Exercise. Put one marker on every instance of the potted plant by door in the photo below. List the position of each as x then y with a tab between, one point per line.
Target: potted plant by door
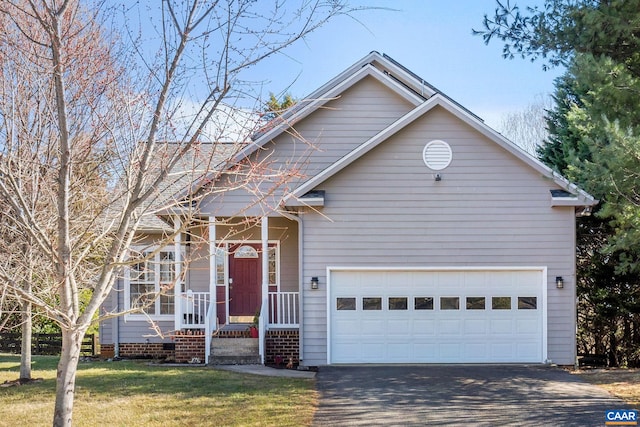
253	328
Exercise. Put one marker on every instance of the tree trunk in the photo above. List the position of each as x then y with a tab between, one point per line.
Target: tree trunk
66	377
25	352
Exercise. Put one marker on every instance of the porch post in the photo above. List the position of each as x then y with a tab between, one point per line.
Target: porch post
265	286
211	316
213	267
177	288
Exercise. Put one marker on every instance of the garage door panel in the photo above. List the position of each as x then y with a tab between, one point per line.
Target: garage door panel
424	327
479	350
502	351
409	326
475	326
501	326
527	326
449	327
449	351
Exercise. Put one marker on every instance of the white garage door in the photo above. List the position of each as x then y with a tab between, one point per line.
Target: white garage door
437	316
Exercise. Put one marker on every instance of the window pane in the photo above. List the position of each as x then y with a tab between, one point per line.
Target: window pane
272	266
397	303
423	303
346	304
449	303
372	303
501	303
138	272
246	251
166	303
527	303
475	303
220	255
167	267
141	294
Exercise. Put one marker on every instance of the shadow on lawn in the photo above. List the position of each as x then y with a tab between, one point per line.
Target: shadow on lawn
129	378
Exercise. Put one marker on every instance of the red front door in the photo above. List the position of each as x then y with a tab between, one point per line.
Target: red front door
245	274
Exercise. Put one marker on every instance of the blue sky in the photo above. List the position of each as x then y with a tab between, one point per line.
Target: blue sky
430	37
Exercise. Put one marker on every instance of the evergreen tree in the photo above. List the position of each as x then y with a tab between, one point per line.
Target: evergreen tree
594	141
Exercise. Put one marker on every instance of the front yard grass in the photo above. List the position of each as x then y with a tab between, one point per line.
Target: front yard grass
132	393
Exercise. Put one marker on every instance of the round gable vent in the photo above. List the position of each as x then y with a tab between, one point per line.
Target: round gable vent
437	155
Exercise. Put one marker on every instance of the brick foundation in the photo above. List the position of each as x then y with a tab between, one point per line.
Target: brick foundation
107	351
185	346
282	346
146	351
190	345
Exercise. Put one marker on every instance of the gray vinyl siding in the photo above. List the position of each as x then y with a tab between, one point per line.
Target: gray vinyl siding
130	331
330	133
490	209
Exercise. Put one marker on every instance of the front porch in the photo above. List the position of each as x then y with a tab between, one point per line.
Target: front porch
249	282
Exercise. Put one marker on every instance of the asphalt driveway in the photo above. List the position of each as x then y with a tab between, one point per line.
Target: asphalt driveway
449	395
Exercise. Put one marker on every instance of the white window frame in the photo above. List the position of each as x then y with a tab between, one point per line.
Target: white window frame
155	314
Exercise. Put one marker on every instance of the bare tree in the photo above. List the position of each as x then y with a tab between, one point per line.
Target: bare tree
528	127
107	101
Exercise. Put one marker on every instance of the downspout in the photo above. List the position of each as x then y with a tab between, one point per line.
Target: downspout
298	219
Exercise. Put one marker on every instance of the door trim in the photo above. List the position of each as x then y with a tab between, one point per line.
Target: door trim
225	244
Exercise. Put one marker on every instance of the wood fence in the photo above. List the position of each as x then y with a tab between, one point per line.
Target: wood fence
41	344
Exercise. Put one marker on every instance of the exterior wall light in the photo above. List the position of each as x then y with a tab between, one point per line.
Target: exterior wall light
559	282
314	282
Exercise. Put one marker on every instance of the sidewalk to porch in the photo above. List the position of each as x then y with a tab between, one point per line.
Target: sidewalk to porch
267	371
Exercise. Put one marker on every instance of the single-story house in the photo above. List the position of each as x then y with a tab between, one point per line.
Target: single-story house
409	232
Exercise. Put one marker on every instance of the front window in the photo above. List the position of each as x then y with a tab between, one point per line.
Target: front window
151	283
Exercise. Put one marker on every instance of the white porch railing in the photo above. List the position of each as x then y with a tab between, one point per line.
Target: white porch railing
284	309
194	309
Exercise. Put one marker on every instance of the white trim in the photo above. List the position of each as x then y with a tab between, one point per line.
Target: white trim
177	287
212	313
566	201
135	317
264	305
544	285
306	201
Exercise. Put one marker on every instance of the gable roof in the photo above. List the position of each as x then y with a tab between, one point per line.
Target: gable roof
580	197
424	97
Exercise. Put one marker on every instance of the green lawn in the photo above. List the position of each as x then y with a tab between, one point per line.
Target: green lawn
131	393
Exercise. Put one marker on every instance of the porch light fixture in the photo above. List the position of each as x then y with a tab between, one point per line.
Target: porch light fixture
314	282
559	282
